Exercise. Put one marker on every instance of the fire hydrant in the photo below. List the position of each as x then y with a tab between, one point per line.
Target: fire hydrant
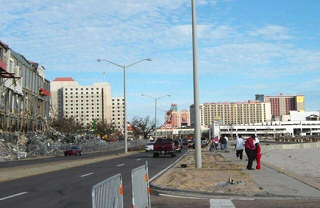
259	155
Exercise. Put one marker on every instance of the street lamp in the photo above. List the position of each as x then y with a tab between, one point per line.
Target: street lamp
155	112
125	96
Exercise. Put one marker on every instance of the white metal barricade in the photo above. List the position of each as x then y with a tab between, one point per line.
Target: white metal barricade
140	187
108	193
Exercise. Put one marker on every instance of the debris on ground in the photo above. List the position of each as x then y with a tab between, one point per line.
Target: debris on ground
18	145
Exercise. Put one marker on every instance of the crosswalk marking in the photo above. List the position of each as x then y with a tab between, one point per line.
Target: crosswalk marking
221	203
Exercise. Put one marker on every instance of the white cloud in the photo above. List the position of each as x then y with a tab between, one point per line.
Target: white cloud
68	37
272	32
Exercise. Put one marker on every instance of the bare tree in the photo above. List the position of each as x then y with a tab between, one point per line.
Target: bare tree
67	125
142	126
107	129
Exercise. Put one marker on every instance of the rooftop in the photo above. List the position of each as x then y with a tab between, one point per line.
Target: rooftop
62	79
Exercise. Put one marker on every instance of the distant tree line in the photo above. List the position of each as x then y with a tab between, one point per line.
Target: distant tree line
107	130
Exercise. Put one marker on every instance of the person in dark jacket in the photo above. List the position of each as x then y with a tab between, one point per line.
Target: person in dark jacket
250	148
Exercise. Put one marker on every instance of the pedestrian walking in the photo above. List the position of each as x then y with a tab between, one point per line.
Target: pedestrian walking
216	143
239	147
223	142
250	148
226	143
211	144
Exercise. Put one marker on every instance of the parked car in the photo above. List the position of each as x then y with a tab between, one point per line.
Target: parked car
181	143
73	150
178	145
185	141
190	143
204	142
149	146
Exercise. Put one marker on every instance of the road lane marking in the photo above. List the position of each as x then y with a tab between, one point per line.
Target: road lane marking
86	175
120	165
138	159
8	197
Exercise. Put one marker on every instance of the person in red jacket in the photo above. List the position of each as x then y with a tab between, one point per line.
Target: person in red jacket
258	156
250	148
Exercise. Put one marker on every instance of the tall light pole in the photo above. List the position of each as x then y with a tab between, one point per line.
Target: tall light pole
125	96
155	112
196	87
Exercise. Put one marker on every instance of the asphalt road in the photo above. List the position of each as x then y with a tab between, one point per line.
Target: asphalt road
72	187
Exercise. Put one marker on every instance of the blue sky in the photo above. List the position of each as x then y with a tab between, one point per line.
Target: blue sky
244	47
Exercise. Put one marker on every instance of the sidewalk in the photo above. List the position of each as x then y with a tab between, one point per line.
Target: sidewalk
282	173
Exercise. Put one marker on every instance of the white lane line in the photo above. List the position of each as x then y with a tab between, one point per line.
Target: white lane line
225	203
8	197
138	159
86	175
120	165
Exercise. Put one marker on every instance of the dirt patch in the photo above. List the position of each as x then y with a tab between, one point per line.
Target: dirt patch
217	175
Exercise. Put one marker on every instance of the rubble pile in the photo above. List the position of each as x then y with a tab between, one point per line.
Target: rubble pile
18	145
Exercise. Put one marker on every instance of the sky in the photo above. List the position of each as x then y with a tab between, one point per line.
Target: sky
244	47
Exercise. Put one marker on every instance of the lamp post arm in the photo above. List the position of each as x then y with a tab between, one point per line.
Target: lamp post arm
148	59
162	97
148	96
99	60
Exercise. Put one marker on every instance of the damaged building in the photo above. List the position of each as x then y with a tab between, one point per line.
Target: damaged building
24	93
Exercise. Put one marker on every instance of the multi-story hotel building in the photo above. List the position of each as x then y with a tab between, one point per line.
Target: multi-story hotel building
85	104
281	105
25	92
57	95
249	112
118	112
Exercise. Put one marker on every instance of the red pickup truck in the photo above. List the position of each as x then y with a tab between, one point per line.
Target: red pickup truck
164	147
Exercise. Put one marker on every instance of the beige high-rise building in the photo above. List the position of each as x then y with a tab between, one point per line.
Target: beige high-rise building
118	112
249	112
56	94
84	103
